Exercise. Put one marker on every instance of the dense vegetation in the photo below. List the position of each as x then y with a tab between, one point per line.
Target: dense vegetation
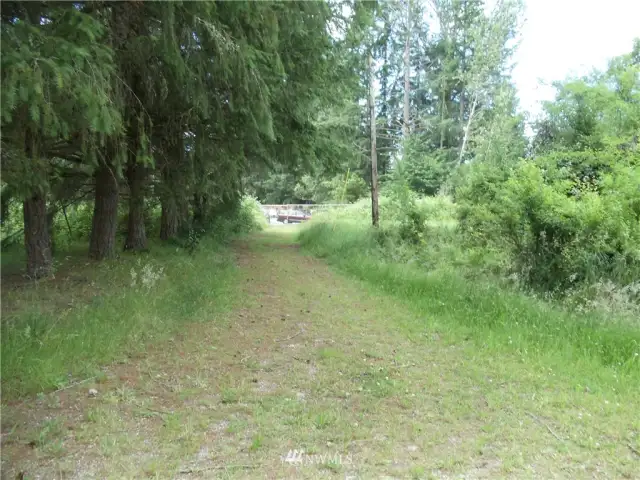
551	203
126	121
432	268
533	242
132	126
525	231
153	107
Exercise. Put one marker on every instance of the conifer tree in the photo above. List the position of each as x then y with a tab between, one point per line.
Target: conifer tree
56	104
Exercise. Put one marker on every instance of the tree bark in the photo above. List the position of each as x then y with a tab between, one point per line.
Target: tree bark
184	216
37	239
375	215
105	214
169	223
172	190
199	210
52	234
136	233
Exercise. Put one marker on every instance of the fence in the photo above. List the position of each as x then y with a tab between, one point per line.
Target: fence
306	208
276	212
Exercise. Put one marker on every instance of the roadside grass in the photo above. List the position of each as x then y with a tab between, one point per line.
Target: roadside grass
588	345
59	331
314	361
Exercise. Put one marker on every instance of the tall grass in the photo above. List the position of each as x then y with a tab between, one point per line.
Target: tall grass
478	307
63	330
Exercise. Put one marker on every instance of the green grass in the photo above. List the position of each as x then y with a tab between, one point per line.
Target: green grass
62	330
313	360
481	309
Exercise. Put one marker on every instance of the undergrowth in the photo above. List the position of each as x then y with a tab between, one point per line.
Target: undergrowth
62	330
443	294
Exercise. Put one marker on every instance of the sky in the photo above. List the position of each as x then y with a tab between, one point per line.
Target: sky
566	37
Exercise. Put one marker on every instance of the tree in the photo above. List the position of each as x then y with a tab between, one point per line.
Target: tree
56	103
592	112
375	215
327	136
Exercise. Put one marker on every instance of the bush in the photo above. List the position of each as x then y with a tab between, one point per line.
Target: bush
523	229
562	220
428	173
250	216
243	217
478	308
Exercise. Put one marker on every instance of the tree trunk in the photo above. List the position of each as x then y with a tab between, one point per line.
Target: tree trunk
442	112
105	215
172	190
37	240
169	222
375	216
136	232
407	76
199	210
467	128
52	234
184	217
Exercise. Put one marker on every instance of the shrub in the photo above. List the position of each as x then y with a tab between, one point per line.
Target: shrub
480	309
243	217
564	219
250	215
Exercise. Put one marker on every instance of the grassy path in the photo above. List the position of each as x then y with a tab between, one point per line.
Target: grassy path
311	360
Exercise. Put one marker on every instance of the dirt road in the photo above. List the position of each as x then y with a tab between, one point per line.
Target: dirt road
314	375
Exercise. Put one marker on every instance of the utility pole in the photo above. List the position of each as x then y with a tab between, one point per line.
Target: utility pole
407	67
375	215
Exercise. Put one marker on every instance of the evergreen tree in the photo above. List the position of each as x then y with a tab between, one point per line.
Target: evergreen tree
57	107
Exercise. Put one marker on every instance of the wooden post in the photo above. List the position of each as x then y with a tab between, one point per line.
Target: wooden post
407	71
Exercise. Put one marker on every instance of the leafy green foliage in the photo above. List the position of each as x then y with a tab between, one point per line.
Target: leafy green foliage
560	228
181	109
427	173
485	310
57	93
569	216
175	103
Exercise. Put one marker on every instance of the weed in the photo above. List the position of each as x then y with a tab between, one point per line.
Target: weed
256	443
376	382
49	435
94	415
147	277
229	395
323	420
